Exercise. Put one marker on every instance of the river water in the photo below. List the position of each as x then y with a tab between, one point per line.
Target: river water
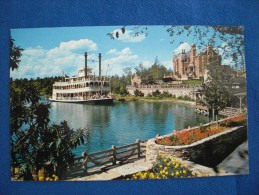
122	123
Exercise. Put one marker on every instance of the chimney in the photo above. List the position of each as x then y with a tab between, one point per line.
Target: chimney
100	68
85	64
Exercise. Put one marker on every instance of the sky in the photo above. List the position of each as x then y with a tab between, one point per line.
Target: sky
52	51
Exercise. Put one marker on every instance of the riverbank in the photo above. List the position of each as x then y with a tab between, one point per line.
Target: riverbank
131	98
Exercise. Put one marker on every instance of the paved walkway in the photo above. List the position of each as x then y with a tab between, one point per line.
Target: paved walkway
120	171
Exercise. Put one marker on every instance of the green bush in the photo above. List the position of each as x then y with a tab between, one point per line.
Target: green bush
138	93
165	94
156	93
204	128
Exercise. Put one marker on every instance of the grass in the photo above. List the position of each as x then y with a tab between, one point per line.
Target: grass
192	82
128	98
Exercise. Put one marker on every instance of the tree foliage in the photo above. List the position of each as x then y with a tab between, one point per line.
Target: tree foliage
216	89
15	55
232	36
152	74
43	85
138	30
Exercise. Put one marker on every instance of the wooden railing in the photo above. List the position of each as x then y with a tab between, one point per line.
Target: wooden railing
229	111
98	161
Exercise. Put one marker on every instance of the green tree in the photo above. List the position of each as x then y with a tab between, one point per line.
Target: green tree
15	55
153	73
128	74
119	85
216	90
158	71
141	71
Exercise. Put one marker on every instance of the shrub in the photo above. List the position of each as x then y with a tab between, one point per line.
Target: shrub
138	93
165	94
156	93
204	128
234	121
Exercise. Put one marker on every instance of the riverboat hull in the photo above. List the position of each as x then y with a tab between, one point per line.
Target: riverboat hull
103	101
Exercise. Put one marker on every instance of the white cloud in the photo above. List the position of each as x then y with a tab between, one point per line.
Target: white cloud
121	59
67	57
147	63
34	51
129	36
179	49
78	44
224	51
125	51
168	64
112	51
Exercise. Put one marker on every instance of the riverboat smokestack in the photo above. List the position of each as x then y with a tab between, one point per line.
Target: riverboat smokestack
100	66
85	64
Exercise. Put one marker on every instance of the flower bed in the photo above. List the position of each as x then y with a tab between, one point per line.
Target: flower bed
207	145
167	167
189	136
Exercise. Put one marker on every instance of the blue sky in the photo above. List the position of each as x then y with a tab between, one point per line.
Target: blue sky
49	51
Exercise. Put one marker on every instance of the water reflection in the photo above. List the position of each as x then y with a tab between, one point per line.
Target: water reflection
123	123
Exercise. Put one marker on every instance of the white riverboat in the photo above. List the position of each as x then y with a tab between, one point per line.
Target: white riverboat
83	88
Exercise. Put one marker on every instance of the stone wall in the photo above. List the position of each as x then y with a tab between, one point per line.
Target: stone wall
174	91
208	151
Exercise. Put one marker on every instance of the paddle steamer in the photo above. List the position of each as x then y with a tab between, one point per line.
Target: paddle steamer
83	88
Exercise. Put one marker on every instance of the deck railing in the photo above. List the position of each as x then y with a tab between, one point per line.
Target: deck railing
98	161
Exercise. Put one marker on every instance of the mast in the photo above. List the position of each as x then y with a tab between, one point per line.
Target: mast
100	68
85	65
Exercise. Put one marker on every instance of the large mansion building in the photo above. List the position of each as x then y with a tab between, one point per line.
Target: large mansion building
192	65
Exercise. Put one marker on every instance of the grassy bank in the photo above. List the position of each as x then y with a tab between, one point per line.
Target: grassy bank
130	98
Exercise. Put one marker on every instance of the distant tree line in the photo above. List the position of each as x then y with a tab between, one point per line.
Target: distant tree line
149	75
43	85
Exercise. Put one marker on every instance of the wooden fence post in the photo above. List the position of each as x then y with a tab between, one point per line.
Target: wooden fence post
85	159
113	155
138	145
